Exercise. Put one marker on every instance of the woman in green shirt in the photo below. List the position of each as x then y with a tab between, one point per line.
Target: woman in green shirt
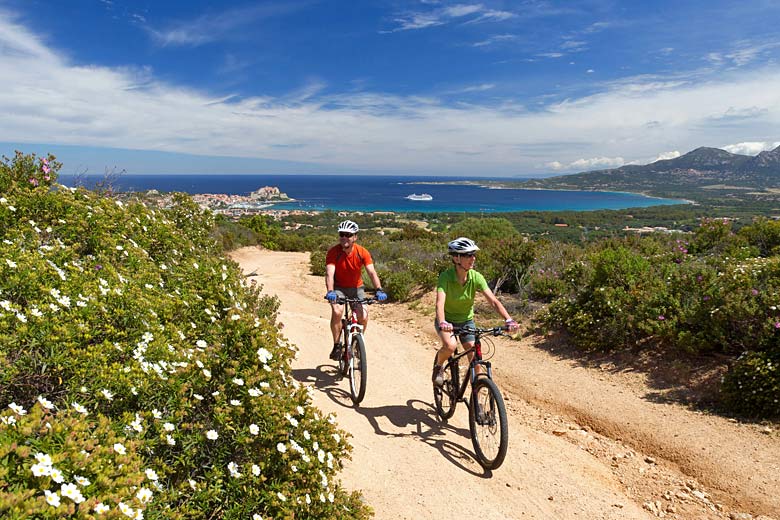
455	293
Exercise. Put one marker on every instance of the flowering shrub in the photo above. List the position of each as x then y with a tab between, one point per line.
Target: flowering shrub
752	386
142	378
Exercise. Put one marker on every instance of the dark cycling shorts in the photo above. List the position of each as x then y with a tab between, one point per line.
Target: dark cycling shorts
351	292
464	338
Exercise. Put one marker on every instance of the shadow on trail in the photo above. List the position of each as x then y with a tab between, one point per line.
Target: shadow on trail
327	379
417	418
423	426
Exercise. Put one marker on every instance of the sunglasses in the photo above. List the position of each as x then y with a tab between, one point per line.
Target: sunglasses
469	255
344	234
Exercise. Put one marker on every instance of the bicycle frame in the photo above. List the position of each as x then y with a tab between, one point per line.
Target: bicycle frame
475	360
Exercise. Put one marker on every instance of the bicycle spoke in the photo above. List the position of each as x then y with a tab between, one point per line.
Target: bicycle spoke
488	424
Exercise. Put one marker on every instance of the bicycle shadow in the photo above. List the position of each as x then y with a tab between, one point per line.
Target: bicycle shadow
425	427
419	416
327	379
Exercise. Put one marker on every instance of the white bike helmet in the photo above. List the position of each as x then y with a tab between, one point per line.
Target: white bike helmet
348	227
462	245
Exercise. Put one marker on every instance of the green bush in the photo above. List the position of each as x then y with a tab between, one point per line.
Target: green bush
124	325
752	386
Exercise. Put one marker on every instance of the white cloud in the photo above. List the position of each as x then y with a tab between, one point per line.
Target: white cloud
664	156
48	99
751	147
472	13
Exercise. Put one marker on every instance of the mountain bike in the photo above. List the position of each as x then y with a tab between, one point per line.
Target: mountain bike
487	413
352	362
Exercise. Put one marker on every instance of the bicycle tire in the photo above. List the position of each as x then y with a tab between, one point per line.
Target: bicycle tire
490	451
358	369
445	397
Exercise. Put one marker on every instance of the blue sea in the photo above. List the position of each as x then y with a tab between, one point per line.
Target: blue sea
382	192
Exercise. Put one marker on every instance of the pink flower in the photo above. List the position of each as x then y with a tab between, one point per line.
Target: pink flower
777	324
45	166
754	291
33	181
661	317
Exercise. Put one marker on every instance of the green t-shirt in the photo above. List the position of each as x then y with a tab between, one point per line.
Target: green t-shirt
459	303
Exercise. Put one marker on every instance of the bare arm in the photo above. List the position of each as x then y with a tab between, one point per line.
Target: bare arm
491	298
330	272
441	296
374	277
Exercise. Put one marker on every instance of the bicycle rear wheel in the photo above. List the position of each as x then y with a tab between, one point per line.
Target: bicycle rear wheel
445	397
357	369
488	423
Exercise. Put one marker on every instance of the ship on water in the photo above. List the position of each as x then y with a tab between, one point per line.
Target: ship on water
422	196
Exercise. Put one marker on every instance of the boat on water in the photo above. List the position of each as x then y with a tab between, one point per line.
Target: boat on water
422	196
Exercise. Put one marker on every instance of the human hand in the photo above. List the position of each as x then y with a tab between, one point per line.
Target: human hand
331	296
445	326
381	295
512	324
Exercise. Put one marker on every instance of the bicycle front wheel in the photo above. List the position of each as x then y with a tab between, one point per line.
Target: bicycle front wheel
357	369
445	397
488	424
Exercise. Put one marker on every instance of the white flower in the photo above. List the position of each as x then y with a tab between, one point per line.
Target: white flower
80	409
108	395
238	381
151	474
233	468
201	344
337	437
207	373
53	499
212	435
235	402
10	263
331	498
170	440
281	447
81	481
254	392
198	397
300	410
43	459
144	495
126	510
264	355
255	470
40	470
321	456
72	492
254	429
57	476
156	414
101	508
256	517
235	317
193	484
21	317
281	497
119	449
168	427
18	410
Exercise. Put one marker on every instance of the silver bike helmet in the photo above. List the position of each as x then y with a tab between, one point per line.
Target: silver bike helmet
348	227
462	245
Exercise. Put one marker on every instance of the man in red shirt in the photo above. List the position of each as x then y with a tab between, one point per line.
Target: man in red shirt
343	278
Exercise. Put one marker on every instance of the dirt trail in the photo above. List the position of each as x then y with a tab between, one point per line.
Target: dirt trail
584	443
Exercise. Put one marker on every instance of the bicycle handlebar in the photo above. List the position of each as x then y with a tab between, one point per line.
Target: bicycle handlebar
367	301
495	331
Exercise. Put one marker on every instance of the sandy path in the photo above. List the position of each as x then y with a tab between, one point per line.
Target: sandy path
582	445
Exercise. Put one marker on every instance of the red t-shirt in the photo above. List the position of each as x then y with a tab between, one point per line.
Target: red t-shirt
348	266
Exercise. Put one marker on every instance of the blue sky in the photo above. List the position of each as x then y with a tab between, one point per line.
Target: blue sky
490	88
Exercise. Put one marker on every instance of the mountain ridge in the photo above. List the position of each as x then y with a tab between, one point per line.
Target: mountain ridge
709	171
